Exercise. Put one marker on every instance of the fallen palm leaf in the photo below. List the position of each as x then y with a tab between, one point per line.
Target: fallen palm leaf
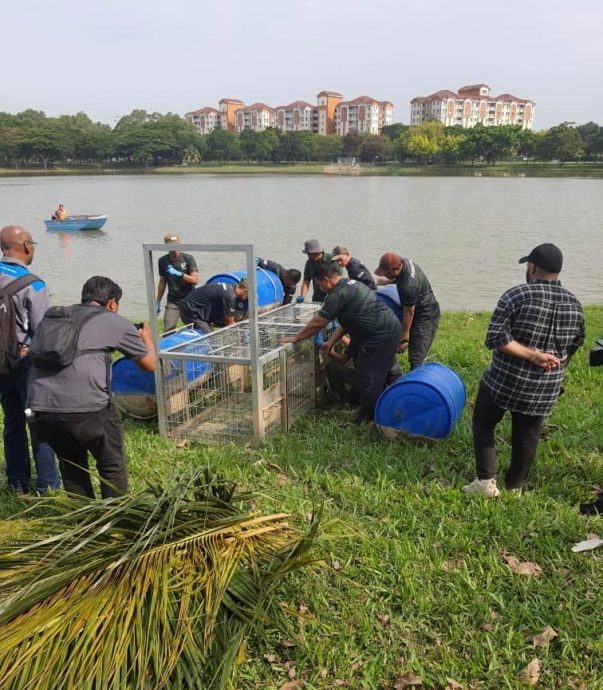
151	590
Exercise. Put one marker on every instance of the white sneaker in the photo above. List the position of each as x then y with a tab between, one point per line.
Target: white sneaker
486	487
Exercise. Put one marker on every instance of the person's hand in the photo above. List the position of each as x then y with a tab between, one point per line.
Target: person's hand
325	350
382	280
403	346
545	360
174	271
158	307
288	340
299	299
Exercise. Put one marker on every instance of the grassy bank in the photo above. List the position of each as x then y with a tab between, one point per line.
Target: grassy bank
513	169
416	582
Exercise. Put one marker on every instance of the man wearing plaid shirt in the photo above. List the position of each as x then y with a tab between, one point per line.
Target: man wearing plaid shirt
535	329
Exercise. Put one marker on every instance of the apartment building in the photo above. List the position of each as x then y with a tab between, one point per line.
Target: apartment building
363	114
331	115
257	116
297	116
471	105
204	120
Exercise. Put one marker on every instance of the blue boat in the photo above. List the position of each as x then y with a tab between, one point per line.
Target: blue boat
75	223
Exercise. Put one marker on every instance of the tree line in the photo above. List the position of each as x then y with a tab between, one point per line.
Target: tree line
141	139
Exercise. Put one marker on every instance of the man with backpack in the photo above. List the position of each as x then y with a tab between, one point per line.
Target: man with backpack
23	301
70	396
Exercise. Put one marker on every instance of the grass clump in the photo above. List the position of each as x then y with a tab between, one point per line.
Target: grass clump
418	582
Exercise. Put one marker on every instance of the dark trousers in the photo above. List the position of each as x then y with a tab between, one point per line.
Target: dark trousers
525	432
422	333
375	367
198	324
73	435
342	381
13	396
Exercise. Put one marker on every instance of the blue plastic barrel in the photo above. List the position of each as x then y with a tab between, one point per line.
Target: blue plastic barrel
270	290
427	403
389	295
134	389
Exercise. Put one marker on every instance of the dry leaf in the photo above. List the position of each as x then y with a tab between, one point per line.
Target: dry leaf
530	675
288	644
544	638
522	568
408	682
270	658
486	627
291	685
292	672
383	618
592	535
451	684
182	444
336	565
323	673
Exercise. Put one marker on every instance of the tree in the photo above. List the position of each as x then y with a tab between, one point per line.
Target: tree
223	145
248	144
328	148
562	143
46	143
11	140
592	136
393	131
424	142
352	142
452	148
528	143
372	149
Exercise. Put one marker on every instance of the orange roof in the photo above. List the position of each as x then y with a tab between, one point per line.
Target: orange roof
296	104
473	87
509	98
204	111
361	100
256	106
230	100
330	93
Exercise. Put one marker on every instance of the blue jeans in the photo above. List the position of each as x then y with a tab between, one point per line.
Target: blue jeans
13	396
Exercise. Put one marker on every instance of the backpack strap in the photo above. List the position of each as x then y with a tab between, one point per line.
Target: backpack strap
19	284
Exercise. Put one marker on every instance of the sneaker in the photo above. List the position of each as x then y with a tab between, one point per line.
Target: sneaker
486	487
595	508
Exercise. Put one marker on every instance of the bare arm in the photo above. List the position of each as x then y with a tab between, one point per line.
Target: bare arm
192	278
316	323
304	288
149	361
544	360
161	288
408	314
229	320
325	350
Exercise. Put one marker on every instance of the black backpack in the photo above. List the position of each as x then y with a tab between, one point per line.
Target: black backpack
9	345
55	343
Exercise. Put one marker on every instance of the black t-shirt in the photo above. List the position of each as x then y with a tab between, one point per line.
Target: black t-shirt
414	290
211	303
268	265
363	315
310	271
358	271
178	289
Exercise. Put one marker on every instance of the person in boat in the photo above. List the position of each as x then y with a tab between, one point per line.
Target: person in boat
178	272
289	277
60	213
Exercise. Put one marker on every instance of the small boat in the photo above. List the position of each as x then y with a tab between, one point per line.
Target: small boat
74	223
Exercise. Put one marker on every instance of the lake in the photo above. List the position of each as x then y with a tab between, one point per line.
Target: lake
467	233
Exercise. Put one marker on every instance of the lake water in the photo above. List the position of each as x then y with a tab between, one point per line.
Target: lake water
467	233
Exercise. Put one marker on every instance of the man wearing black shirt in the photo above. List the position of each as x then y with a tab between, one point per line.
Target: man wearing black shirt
214	303
178	271
356	270
420	308
289	277
373	327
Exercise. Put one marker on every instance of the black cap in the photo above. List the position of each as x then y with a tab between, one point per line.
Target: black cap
548	257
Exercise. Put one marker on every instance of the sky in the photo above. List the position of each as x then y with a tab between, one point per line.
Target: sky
107	57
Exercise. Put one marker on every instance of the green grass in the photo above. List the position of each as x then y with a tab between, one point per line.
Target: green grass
504	169
415	581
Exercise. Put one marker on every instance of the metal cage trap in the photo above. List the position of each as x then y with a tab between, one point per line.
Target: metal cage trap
237	383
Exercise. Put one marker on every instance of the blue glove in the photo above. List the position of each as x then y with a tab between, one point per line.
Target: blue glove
174	272
319	339
158	307
300	298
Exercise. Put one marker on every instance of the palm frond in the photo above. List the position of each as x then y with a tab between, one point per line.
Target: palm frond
151	590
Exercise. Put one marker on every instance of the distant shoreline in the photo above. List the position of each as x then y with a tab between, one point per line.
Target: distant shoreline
572	170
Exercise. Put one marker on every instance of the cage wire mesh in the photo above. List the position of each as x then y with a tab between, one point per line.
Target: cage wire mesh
207	386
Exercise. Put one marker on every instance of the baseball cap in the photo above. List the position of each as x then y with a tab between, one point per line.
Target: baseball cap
172	239
338	251
547	256
388	261
312	247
